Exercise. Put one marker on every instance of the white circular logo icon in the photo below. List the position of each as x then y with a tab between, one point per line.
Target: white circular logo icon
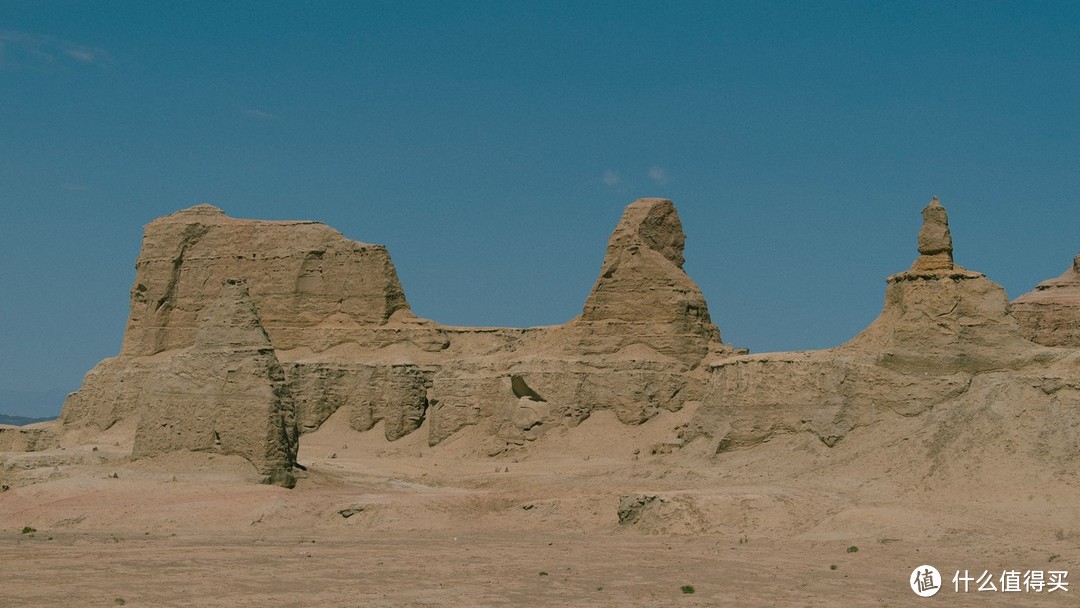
925	580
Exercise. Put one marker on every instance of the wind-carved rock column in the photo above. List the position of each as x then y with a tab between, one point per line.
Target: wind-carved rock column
642	334
935	240
938	315
643	295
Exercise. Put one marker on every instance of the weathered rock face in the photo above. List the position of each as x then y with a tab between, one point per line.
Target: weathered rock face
939	317
935	240
320	323
395	394
22	439
643	331
941	329
1050	315
562	392
303	275
227	393
643	296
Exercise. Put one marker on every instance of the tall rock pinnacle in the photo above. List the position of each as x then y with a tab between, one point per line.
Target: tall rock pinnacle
935	241
643	294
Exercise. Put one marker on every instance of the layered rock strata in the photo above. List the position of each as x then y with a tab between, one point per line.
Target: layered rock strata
635	349
244	334
226	393
311	284
313	323
1050	315
945	340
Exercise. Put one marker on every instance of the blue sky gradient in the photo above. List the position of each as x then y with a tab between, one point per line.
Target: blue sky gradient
492	147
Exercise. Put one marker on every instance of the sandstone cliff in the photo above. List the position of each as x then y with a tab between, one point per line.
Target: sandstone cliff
226	393
244	334
302	274
314	323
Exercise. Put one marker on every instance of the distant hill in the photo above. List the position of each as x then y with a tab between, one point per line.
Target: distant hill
21	420
30	406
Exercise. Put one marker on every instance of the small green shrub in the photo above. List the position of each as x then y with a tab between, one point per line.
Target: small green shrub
28	530
833	567
852	549
687	588
542	573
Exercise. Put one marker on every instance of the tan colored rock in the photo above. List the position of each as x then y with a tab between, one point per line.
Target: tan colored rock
321	325
26	439
942	331
226	394
1050	315
643	331
642	295
935	240
302	275
334	331
481	392
395	394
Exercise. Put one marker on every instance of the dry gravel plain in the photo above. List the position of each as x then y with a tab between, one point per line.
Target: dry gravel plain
575	519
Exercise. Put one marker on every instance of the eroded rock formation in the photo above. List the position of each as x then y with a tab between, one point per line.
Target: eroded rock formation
226	393
244	334
945	344
935	240
314	323
1050	315
311	284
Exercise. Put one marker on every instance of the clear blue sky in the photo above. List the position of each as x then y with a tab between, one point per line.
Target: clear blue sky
492	147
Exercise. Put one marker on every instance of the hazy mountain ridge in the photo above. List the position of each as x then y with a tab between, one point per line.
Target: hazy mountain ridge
21	420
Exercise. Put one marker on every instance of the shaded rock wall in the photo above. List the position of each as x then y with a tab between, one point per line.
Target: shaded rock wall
226	393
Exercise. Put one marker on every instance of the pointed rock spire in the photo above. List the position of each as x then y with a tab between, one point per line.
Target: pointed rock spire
643	295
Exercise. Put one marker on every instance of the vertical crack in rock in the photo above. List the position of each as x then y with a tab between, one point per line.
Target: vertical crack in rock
227	393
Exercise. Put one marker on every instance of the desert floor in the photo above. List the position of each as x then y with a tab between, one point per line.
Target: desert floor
787	523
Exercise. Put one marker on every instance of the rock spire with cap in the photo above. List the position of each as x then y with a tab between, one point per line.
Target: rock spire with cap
935	249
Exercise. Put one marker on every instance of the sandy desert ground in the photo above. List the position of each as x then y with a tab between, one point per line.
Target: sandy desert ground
539	525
